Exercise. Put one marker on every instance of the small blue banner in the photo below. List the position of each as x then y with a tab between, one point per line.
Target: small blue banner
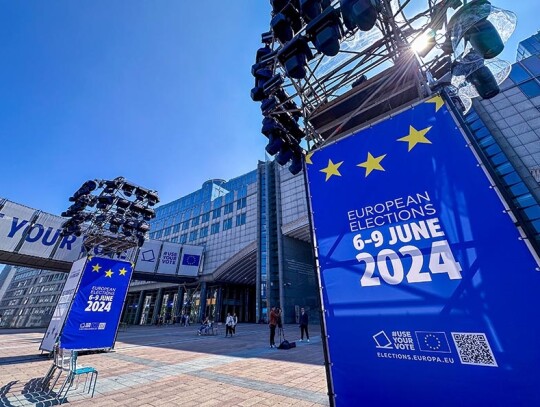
93	319
430	290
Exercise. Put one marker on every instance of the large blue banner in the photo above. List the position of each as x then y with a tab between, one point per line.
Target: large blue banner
93	319
431	293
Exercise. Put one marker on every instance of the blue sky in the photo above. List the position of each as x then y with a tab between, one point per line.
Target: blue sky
156	91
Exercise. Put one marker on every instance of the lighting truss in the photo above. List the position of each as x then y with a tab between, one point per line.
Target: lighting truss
112	215
370	68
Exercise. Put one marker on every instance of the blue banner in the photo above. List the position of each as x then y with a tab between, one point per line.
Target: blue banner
431	293
93	319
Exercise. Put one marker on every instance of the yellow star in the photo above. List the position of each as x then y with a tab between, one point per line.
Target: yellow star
372	163
438	100
416	136
96	268
123	271
308	158
332	169
109	273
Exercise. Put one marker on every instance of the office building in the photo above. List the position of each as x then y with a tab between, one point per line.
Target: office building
257	251
30	297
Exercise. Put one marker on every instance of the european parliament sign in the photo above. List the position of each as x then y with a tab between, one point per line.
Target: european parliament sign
430	290
91	306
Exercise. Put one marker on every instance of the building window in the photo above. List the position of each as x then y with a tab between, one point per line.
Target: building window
183	238
228	208
195	221
530	88
193	235
174	239
227	224
176	228
216	213
204	232
167	231
205	217
518	74
241	203
185	225
241	219
214	228
159	233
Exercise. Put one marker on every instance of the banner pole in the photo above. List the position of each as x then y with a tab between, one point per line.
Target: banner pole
327	362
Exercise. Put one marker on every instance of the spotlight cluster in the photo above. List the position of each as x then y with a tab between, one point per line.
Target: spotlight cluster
319	53
112	214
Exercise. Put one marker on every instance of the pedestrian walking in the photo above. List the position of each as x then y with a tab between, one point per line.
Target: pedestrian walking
272	324
229	322
235	322
304	319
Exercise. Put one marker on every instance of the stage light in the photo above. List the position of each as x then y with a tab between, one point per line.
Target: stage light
262	76
325	32
272	84
141	193
128	189
143	227
310	9
278	5
296	164
281	27
473	76
267	37
104	201
153	198
85	189
123	203
294	56
359	13
485	27
149	214
484	82
485	39
137	208
284	155
116	220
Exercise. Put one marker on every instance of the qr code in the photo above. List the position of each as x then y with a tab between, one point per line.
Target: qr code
474	349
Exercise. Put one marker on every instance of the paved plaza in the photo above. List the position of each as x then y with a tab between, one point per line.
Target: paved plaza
173	366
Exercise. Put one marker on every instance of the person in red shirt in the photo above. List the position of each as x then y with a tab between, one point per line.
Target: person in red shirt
273	323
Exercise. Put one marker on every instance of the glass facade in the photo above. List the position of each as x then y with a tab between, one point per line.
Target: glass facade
30	297
529	47
246	254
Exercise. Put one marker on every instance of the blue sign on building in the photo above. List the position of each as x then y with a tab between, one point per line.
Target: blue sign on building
430	290
93	319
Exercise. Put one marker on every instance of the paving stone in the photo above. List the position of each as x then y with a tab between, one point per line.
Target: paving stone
172	366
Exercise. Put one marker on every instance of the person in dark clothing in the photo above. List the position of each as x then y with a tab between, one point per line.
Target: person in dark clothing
272	324
304	318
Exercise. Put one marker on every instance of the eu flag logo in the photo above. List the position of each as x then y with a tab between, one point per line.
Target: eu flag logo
433	342
191	260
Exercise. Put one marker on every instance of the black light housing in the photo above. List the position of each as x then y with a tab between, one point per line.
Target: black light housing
294	56
310	9
325	32
284	155
296	164
359	13
485	39
484	82
152	198
281	27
